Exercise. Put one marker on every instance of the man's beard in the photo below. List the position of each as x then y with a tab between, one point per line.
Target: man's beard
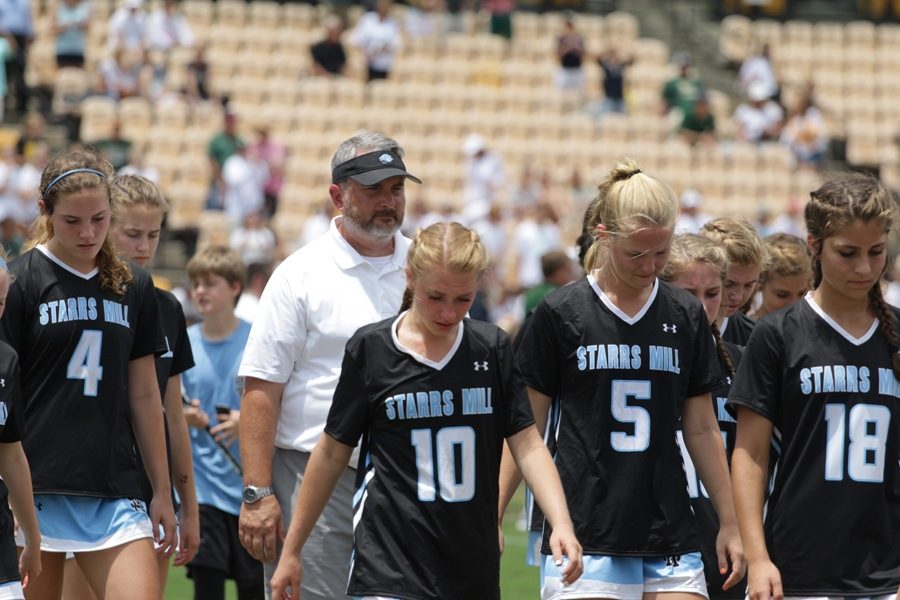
372	229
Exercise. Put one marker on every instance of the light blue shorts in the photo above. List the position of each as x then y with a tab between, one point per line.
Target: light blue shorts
626	577
12	591
84	524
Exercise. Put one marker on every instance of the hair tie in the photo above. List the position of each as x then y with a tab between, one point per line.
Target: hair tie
65	174
633	173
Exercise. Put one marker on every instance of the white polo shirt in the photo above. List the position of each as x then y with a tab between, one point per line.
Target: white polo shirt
315	300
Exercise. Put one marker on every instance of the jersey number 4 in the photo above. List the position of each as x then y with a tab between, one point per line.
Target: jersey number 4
456	485
85	361
867	431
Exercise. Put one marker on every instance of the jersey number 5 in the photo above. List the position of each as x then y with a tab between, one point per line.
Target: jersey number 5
85	361
868	431
638	416
455	485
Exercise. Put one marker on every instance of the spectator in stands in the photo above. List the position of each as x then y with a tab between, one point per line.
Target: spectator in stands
690	217
253	240
257	277
318	223
127	26
70	25
806	133
197	85
613	65
115	148
328	56
493	231
700	124
377	34
121	74
760	118
758	68
791	220
500	16
274	154
244	175
558	270
485	178
682	91
32	137
528	191
536	233
24	184
419	20
570	53
16	25
221	146
168	28
137	166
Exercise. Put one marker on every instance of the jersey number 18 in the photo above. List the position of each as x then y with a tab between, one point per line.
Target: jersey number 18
867	432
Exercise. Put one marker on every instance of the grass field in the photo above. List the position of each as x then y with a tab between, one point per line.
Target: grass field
517	581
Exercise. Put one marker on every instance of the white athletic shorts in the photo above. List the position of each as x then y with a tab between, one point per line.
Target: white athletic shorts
12	591
625	577
84	524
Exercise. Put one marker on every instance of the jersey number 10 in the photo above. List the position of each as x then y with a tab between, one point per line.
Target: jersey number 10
85	361
867	431
454	486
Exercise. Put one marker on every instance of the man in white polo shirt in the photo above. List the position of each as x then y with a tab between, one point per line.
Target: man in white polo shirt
316	299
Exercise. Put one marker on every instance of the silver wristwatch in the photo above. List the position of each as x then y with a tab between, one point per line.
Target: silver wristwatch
253	494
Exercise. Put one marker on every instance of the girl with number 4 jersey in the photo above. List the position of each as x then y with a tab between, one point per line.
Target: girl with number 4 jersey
822	375
84	323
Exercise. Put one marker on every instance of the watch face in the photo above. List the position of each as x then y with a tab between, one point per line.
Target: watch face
249	495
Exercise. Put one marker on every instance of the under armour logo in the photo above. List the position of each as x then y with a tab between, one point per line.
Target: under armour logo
669	328
481	366
137	505
386	158
728	380
39	505
2	383
673	561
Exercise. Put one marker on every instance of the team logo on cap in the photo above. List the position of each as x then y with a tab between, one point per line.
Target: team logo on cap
386	158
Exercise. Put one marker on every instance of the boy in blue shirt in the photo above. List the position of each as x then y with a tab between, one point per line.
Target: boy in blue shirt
217	279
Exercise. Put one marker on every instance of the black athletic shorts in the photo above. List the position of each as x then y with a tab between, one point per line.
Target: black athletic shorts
220	548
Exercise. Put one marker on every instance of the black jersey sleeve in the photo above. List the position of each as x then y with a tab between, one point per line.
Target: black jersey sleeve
148	337
11	394
705	373
536	351
757	383
518	408
183	357
11	328
349	412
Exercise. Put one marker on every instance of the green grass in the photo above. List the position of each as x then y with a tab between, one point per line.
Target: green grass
517	580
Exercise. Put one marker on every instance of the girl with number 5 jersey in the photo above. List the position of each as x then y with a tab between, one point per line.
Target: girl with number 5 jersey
84	325
617	360
822	375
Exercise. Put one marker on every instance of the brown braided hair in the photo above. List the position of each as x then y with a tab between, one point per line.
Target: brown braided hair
688	251
115	274
451	245
836	205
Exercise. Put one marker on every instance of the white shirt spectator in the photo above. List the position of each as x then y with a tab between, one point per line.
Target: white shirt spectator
758	68
254	244
247	307
167	30
755	121
485	176
314	302
244	180
127	26
378	39
532	240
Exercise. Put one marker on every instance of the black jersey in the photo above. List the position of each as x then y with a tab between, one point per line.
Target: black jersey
738	329
833	515
426	510
10	432
75	341
178	357
619	384
704	511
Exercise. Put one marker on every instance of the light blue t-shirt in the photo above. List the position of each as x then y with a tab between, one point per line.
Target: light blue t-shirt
213	381
72	41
